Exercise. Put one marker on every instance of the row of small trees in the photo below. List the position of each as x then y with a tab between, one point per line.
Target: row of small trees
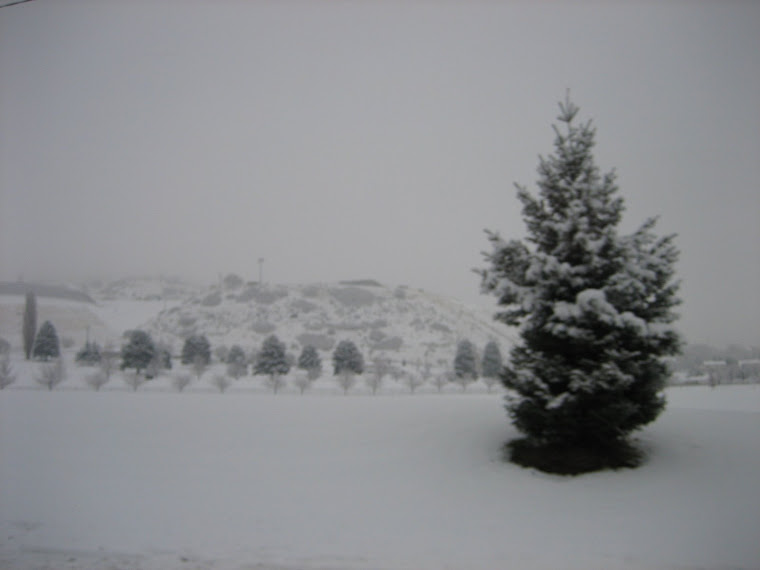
147	359
142	359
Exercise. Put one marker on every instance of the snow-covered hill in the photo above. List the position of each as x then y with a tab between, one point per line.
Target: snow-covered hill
400	323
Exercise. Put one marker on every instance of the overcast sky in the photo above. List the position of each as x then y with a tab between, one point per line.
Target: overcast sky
345	140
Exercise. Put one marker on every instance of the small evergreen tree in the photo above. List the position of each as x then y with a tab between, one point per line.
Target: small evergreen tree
196	346
138	352
272	361
237	363
7	375
89	355
594	311
310	361
347	362
492	364
465	364
29	327
346	356
46	345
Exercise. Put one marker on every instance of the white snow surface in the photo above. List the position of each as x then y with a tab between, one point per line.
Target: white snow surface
161	480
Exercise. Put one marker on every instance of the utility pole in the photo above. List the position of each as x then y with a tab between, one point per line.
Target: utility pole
261	270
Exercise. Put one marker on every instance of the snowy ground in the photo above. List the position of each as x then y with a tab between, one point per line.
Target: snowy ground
160	480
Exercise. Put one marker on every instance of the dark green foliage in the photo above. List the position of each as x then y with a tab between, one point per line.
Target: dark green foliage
89	355
29	327
492	362
237	363
7	375
465	361
564	459
196	346
310	361
46	345
347	358
594	307
272	360
165	357
138	352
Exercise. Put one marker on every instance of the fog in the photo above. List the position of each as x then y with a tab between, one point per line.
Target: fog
347	140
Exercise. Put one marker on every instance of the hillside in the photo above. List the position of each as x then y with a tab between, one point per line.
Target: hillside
400	323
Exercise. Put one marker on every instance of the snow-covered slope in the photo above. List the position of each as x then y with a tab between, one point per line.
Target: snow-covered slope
400	323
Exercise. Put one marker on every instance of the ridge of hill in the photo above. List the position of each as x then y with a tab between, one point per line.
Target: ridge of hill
21	288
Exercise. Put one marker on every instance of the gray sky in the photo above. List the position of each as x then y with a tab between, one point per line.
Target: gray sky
344	140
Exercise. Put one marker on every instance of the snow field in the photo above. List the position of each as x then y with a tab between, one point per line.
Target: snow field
161	481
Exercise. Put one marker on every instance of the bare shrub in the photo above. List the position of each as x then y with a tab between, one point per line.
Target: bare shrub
303	381
134	380
181	381
275	382
221	382
199	366
441	380
380	368
97	380
7	377
412	381
51	374
346	380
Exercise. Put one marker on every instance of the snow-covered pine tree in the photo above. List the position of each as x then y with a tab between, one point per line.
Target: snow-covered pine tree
491	364
346	357
310	361
237	363
594	310
89	355
46	345
272	361
195	347
465	363
347	362
138	352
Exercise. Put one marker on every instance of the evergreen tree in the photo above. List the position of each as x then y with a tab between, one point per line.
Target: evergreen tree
465	361
237	363
272	361
594	311
89	355
29	327
346	357
46	345
196	346
492	362
310	361
7	375
138	352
